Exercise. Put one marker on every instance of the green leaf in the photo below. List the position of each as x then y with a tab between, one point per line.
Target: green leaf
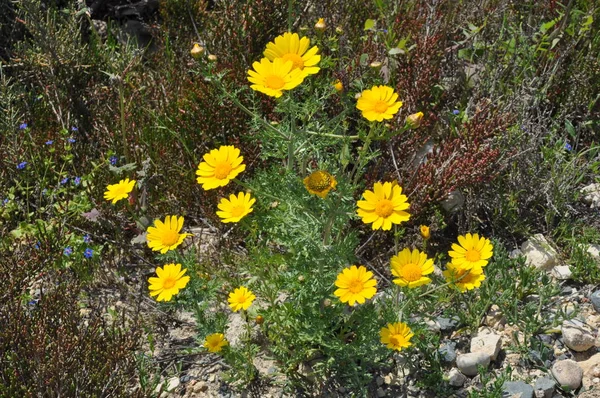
396	50
570	129
370	24
548	25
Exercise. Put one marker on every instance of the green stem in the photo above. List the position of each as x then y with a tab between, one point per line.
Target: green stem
347	137
329	224
359	162
251	188
290	14
123	130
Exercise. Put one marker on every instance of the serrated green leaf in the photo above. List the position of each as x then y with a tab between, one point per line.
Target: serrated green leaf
370	24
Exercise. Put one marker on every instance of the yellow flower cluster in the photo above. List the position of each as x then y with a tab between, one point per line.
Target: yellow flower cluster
469	257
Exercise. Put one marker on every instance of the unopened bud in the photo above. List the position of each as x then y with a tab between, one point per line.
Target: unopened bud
326	303
212	58
339	30
425	233
301	278
259	320
197	51
414	120
338	86
320	25
375	64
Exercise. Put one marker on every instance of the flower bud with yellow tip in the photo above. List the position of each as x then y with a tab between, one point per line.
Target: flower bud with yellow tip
414	121
212	58
338	86
425	233
197	51
320	26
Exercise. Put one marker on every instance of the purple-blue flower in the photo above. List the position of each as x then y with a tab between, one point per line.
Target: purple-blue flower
74	128
21	165
68	251
87	238
49	142
5	201
23	126
455	112
568	147
77	180
37	245
64	180
71	140
88	253
113	160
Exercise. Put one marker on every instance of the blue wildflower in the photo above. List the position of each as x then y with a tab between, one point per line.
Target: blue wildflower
23	126
21	165
68	251
37	245
71	140
88	253
64	180
77	180
49	142
568	147
455	112
87	238
5	201
33	302
113	160
74	128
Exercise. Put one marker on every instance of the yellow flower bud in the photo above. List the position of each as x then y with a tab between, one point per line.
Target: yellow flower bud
259	320
339	30
414	120
197	51
320	25
212	58
338	86
425	233
375	64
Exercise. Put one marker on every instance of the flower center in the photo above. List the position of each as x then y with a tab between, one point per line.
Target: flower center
222	170
356	286
296	60
274	82
472	255
169	283
411	272
380	106
319	181
170	237
238	211
394	340
384	208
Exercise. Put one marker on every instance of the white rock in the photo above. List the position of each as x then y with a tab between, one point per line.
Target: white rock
455	378
495	317
453	202
594	250
577	336
467	363
539	253
486	341
173	383
561	272
591	195
567	373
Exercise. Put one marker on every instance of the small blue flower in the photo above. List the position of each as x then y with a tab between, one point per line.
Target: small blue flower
113	160
37	245
33	302
5	201
23	126
88	253
21	165
74	128
568	147
44	191
49	142
71	140
77	180
455	112
64	181
87	238
68	251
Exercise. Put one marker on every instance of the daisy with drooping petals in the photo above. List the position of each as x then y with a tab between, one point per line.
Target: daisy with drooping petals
215	342
121	190
383	206
320	183
290	47
378	103
355	284
219	167
272	78
168	283
410	268
463	278
165	236
240	299
236	208
396	336
471	251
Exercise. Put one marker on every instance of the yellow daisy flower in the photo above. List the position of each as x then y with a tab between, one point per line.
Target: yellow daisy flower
320	183
240	299
464	278
383	206
121	190
396	336
165	236
411	268
168	283
290	47
215	342
378	103
355	285
272	78
219	167
471	251
236	208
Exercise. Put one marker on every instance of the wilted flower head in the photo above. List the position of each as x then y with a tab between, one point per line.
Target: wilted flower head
414	120
320	183
320	26
197	50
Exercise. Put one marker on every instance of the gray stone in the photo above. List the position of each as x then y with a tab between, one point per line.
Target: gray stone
517	389
546	386
468	363
488	342
447	324
591	195
577	336
594	251
447	352
561	272
453	202
456	378
595	299
381	392
567	373
173	383
539	253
